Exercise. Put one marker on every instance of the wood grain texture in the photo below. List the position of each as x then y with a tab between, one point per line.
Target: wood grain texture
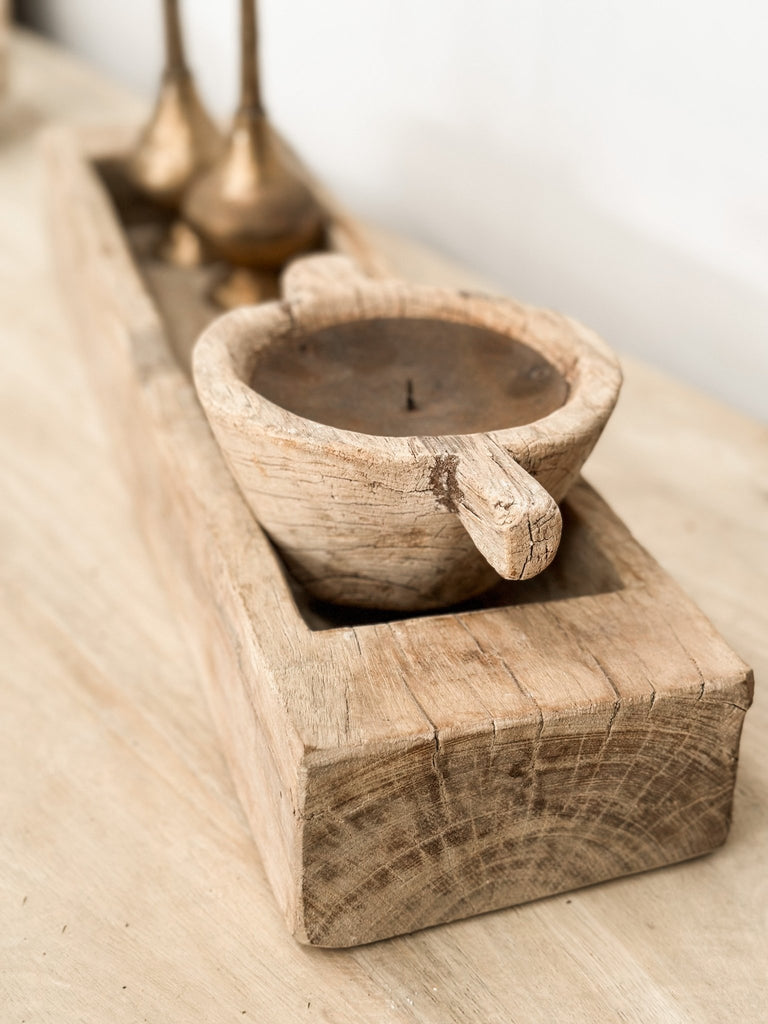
118	808
377	812
388	520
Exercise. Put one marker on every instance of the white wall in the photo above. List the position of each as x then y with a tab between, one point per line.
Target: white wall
608	159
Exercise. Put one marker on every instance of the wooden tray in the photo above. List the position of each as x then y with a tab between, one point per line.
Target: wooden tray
399	772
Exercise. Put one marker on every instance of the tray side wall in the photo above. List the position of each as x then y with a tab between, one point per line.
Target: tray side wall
491	820
164	449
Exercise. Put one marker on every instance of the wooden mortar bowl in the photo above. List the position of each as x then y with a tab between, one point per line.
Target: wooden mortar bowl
375	496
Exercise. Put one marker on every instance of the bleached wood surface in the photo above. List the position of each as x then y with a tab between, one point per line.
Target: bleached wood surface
131	888
410	773
409	522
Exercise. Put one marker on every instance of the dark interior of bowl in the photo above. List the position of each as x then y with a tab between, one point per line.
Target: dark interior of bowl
402	376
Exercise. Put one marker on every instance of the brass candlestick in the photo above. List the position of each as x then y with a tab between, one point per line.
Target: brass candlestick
251	206
180	138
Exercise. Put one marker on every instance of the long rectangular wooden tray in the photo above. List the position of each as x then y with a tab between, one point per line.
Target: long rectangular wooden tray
398	772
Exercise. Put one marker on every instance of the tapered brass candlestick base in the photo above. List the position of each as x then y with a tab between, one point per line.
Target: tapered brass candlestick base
179	139
177	142
251	206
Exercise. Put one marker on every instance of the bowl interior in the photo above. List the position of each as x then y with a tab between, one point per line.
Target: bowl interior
402	376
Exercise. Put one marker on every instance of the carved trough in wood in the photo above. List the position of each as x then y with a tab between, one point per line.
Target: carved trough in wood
400	771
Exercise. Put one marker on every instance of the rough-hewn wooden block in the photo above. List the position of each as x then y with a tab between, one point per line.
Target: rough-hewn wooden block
400	773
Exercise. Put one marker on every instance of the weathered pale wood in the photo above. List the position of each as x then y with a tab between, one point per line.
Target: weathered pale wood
401	774
118	808
379	515
148	393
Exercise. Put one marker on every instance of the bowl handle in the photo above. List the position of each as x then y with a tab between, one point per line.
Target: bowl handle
514	522
313	276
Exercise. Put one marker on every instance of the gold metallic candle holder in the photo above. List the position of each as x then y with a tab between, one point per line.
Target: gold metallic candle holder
177	142
179	138
251	206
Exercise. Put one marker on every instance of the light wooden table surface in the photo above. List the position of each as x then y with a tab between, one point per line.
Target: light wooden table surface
129	885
